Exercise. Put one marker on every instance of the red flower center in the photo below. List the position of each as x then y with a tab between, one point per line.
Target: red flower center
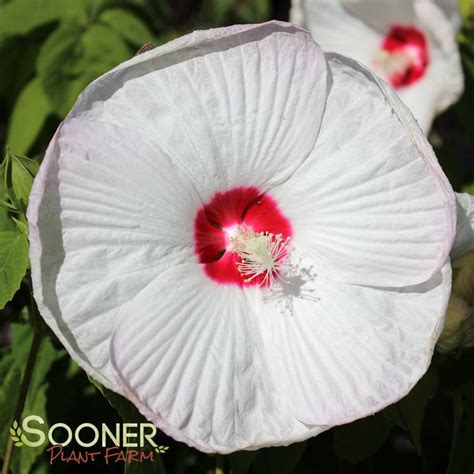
217	222
404	56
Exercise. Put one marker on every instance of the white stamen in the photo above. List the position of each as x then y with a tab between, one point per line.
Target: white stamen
262	253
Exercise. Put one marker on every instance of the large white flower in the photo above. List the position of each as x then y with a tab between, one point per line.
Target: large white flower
245	237
410	43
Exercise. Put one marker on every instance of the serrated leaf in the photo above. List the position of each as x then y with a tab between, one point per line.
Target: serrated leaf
13	264
73	56
127	25
29	114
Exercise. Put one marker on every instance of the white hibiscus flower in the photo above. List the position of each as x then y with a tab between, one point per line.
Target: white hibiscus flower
245	237
410	43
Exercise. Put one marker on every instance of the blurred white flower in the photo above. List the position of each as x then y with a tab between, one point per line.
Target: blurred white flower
245	237
409	43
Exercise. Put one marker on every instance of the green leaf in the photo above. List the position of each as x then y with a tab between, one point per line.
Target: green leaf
18	173
19	72
13	264
36	401
19	17
361	439
127	25
412	407
127	411
6	222
12	365
282	460
461	458
241	461
29	114
468	188
73	56
467	8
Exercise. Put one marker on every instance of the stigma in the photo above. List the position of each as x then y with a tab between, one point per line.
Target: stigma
262	254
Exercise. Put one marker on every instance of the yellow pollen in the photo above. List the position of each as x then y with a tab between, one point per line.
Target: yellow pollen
261	253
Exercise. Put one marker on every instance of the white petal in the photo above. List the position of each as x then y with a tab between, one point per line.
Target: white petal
464	241
345	351
190	357
371	204
234	106
104	221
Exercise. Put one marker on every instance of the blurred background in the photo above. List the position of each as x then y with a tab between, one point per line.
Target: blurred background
49	51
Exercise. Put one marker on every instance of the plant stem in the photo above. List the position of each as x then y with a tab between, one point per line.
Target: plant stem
219	464
25	383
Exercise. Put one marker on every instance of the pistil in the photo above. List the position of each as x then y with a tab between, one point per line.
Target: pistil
262	254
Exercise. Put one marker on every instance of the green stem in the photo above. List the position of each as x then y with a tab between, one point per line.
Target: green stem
25	383
219	464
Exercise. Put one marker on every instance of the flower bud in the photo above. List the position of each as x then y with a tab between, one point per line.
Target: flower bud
463	277
458	331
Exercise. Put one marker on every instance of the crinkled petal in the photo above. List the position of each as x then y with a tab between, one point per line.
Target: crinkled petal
190	357
344	352
235	106
104	221
371	205
464	241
